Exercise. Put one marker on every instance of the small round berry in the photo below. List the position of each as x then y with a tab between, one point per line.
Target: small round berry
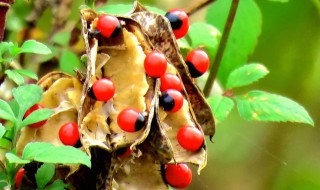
190	138
170	81
130	120
109	26
171	100
179	21
155	64
198	62
69	134
18	178
102	90
178	175
32	109
123	152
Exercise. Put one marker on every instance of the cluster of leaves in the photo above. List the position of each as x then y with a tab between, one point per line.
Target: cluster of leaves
24	97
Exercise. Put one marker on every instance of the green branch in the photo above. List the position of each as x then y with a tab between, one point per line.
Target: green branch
224	39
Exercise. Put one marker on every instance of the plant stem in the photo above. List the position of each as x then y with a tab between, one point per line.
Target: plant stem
216	64
4	7
194	6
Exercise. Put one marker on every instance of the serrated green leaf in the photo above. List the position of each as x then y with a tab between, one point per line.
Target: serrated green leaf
12	158
57	185
46	152
246	75
6	111
32	46
36	116
62	38
221	106
44	174
205	36
27	96
263	106
243	36
26	73
69	61
63	155
2	130
15	77
34	148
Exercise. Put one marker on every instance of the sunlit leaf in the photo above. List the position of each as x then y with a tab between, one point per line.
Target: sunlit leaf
27	73
243	36
15	77
246	75
121	9
263	106
12	158
69	61
2	130
36	116
32	46
221	106
6	111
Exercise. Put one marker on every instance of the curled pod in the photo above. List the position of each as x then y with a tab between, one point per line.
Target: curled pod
164	41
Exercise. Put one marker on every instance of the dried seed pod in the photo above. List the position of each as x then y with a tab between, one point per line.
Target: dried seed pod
159	31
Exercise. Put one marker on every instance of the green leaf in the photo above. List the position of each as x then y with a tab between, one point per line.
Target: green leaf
122	9
32	46
2	130
34	148
280	1
12	158
62	38
205	36
63	155
243	36
36	116
4	47
246	74
221	106
46	152
26	73
44	174
57	185
263	106
27	96
16	77
69	61
14	107
6	111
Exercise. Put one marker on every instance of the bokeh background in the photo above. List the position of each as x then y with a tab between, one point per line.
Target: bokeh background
251	155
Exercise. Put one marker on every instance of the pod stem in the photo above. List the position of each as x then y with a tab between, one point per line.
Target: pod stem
224	39
194	6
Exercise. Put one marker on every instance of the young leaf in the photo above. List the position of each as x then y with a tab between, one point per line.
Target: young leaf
44	174
32	46
246	74
27	96
57	185
2	130
62	38
243	35
69	61
221	106
12	158
36	116
263	106
16	77
14	107
6	111
63	155
46	152
206	36
34	148
26	73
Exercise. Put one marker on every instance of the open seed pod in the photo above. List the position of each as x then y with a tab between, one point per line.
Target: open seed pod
160	33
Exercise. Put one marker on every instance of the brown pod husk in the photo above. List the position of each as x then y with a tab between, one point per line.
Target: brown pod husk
159	31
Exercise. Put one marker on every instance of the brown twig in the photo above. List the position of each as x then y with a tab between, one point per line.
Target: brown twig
194	6
216	64
4	7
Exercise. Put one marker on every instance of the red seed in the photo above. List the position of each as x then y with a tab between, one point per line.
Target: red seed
103	89
69	134
178	176
170	81
109	26
179	21
155	64
190	138
18	178
32	109
130	120
171	100
198	62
